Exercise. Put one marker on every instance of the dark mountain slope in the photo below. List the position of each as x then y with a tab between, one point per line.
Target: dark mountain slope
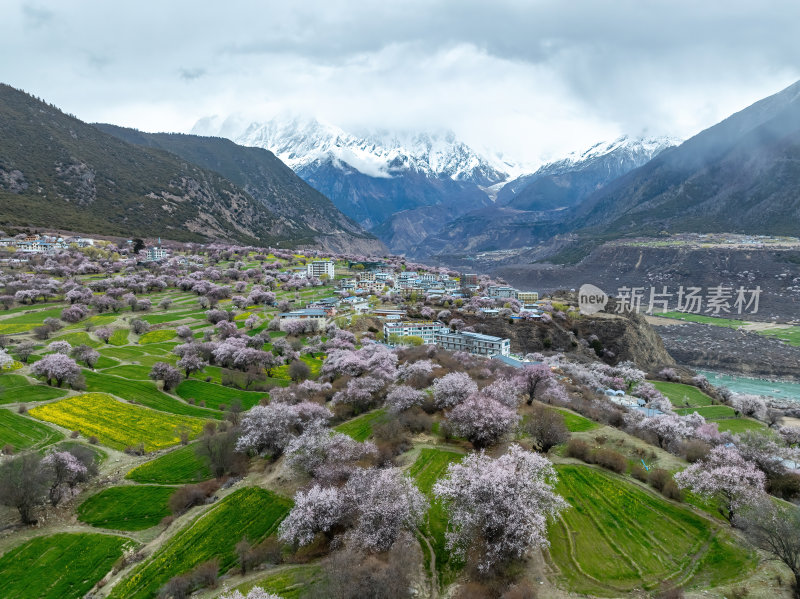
56	171
742	175
372	200
303	212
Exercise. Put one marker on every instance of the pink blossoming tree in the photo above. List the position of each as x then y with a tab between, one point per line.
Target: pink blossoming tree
724	475
499	507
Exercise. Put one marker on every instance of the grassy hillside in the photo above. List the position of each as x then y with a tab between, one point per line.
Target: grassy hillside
306	214
60	566
52	163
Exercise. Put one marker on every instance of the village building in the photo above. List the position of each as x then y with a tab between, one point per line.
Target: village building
473	343
317	268
424	329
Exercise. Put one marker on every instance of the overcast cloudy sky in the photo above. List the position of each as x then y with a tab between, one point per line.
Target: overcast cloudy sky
534	79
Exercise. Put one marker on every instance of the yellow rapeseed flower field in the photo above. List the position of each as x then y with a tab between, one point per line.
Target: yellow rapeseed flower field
115	423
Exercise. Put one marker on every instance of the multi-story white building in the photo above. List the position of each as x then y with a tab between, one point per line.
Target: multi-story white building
156	253
473	343
502	291
528	297
425	329
317	268
307	315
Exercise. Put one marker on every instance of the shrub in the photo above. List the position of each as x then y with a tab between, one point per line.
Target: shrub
135	449
610	459
178	587
188	496
658	478
672	491
206	574
127	559
417	421
786	486
695	450
578	449
8	449
22	408
639	473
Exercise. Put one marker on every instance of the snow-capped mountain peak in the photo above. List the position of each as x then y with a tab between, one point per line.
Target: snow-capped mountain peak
301	141
635	149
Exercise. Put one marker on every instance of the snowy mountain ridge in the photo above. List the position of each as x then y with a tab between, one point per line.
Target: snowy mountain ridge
639	149
300	142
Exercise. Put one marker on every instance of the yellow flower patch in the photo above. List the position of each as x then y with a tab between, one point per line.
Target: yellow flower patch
117	424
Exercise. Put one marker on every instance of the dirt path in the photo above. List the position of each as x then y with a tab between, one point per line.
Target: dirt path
434	573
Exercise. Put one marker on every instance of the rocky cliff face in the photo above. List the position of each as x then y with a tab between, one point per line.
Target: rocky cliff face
775	269
628	338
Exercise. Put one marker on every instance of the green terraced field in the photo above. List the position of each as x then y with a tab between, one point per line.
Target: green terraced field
576	423
130	371
24	433
618	537
429	467
171	316
179	466
98	320
360	427
79	338
149	361
709	412
105	362
683	395
127	353
215	395
288	582
145	393
315	364
132	507
251	512
119	337
16	388
117	424
60	566
157	336
741	425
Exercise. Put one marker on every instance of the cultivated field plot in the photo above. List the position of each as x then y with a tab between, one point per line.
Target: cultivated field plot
117	424
251	512
429	467
27	321
709	412
360	427
789	334
740	425
576	423
179	466
143	392
216	395
133	507
288	583
683	395
617	537
79	338
157	336
60	566
130	371
24	433
119	337
15	388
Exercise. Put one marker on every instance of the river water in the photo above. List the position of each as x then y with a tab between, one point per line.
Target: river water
742	384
